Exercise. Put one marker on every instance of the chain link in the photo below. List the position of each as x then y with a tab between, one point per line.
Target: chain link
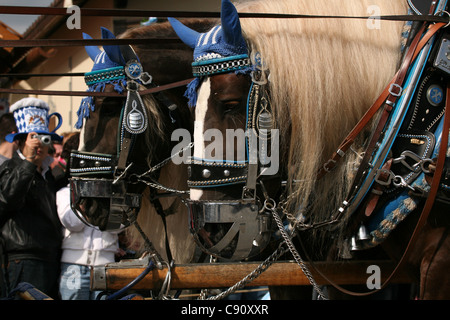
162	163
271	206
287	239
158	166
159	186
252	275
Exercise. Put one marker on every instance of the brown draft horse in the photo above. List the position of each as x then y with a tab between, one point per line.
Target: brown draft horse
166	64
324	75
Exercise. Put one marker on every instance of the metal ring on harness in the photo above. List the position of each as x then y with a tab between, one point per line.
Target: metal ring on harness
448	14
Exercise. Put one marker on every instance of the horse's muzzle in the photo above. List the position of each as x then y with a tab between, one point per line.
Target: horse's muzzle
248	234
114	209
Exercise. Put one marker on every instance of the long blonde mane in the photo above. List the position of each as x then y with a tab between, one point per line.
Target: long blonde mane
324	74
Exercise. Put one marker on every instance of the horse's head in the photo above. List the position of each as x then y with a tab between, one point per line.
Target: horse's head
231	109
123	136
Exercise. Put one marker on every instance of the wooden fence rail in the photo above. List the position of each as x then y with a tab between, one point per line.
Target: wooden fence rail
223	275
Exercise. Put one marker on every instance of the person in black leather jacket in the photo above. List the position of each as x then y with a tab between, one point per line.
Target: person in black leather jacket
30	227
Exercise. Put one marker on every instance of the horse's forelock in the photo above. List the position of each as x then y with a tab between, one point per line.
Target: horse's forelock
156	128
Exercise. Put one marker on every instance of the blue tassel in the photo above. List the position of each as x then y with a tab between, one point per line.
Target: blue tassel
247	70
87	104
120	85
191	92
83	111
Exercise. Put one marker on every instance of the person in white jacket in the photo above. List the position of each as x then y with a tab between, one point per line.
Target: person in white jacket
82	248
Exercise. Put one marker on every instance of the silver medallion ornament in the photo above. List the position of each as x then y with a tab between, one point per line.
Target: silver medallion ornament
135	115
133	69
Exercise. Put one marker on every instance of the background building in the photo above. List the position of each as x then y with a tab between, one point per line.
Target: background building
69	59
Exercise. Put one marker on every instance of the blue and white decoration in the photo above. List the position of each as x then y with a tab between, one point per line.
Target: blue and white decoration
108	69
435	95
222	49
31	115
133	69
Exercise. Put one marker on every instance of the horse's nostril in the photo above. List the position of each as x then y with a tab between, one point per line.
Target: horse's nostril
94	206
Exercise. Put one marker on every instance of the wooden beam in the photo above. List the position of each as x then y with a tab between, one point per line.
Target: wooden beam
223	275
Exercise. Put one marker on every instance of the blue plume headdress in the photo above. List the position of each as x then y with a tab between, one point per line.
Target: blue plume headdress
108	69
220	50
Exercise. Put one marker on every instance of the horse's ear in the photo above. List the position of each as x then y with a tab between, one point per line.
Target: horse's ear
106	34
230	24
113	52
92	51
186	34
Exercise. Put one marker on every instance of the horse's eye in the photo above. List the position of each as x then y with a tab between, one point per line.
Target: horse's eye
111	106
231	105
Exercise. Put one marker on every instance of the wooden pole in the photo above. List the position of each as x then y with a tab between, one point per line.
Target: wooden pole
223	275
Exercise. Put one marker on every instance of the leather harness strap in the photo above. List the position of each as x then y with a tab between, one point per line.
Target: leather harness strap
434	185
377	189
423	216
370	113
388	107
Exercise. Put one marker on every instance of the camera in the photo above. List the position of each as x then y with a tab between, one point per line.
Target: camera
45	139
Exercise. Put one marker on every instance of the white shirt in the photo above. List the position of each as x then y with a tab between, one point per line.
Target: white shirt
83	244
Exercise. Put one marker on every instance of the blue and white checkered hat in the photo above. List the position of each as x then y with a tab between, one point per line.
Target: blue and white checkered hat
31	115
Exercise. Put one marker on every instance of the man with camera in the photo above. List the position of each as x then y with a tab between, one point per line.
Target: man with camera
29	223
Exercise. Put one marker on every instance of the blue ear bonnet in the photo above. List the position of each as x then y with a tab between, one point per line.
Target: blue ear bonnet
108	69
213	45
222	49
110	58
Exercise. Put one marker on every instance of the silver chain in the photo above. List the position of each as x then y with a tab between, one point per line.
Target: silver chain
159	186
271	206
266	263
252	275
158	166
162	163
271	259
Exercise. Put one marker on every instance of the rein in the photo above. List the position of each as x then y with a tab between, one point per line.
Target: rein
345	145
201	14
97	94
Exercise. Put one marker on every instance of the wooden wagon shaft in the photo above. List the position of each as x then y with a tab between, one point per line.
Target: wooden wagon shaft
222	275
